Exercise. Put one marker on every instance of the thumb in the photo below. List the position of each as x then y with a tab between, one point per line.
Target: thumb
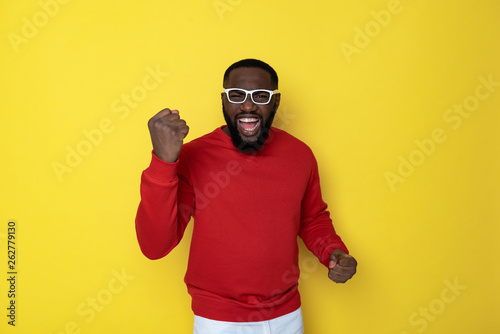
175	111
333	261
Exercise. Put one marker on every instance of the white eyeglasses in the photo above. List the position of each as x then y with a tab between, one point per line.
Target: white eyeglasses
258	96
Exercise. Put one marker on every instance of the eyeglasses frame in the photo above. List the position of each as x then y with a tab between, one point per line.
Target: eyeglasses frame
250	92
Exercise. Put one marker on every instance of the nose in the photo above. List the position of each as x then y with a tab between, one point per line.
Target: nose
248	105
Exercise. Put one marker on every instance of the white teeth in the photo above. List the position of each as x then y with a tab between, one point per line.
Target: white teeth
248	120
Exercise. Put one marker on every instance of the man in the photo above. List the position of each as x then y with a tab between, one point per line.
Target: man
252	189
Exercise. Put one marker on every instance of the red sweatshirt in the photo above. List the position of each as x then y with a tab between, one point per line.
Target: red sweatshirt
248	210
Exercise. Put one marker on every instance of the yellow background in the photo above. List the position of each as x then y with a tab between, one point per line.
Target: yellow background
361	113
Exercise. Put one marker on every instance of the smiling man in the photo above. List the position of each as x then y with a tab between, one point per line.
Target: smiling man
249	113
252	189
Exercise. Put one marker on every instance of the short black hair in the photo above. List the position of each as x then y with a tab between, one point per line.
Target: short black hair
253	63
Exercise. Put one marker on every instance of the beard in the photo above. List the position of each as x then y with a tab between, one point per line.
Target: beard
245	146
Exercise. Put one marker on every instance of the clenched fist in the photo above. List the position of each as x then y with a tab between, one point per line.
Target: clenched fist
342	266
167	132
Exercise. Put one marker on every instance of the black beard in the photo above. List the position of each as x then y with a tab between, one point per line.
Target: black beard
246	146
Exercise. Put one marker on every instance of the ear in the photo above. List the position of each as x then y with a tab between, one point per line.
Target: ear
277	99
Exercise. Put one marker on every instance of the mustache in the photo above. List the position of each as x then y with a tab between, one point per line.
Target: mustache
246	114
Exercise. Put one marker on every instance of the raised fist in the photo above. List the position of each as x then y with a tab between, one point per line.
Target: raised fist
167	132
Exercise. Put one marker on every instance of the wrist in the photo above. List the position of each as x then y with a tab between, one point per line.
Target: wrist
165	157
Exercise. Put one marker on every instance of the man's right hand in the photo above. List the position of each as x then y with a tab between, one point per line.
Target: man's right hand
167	132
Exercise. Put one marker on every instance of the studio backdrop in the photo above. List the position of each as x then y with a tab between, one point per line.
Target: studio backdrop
398	99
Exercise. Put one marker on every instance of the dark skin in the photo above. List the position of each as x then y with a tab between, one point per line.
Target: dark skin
342	266
168	131
249	78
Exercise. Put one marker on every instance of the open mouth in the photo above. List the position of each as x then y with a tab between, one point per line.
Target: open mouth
249	126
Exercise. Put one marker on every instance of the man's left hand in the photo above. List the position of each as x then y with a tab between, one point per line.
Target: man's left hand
342	266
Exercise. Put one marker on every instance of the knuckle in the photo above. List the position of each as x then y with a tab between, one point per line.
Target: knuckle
158	125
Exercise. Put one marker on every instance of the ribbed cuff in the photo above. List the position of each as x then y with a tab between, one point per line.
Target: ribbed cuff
161	171
328	252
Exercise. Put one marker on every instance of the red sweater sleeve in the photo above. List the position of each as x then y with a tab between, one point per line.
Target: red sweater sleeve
165	208
316	228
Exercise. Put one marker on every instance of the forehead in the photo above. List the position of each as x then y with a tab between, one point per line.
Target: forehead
249	78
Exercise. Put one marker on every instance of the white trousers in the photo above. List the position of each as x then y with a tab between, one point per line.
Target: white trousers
290	323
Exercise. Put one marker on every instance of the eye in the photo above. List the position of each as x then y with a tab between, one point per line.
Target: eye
261	96
236	95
